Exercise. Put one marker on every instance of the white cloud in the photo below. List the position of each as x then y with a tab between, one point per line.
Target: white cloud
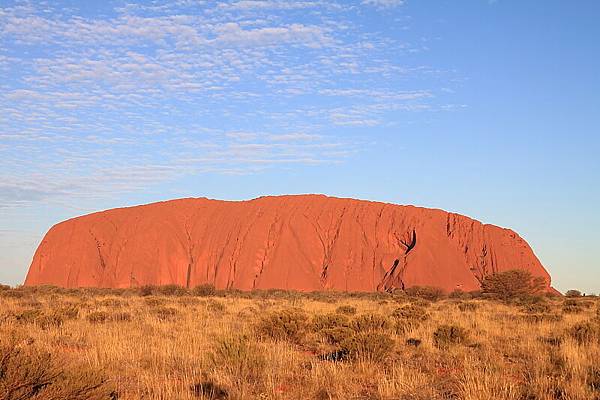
103	105
268	5
384	3
310	36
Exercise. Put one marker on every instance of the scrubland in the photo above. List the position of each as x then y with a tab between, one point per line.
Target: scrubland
172	343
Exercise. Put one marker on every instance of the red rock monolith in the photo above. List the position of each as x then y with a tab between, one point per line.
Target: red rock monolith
304	242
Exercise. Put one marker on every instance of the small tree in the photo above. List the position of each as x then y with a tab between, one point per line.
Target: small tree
573	293
512	283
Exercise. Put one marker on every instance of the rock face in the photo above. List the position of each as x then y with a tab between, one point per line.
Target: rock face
306	242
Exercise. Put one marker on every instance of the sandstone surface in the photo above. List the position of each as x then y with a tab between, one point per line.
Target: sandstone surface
303	242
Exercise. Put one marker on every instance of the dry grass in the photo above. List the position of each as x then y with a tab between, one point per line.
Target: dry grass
173	344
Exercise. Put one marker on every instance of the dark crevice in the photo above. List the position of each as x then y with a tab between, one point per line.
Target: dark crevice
411	243
324	273
98	246
190	250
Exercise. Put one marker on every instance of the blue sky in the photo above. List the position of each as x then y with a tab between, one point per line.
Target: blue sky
486	108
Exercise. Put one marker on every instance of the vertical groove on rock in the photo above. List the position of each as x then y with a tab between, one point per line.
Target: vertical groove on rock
100	257
190	250
331	245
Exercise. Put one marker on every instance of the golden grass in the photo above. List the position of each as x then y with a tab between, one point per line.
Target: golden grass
179	346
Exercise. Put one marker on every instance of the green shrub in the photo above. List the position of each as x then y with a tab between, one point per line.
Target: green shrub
410	312
289	324
512	283
459	294
429	293
155	301
147	290
573	293
112	303
346	310
328	321
337	335
238	357
172	290
371	346
204	290
370	322
448	335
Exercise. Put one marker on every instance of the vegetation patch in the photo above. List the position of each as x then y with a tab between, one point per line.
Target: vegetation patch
449	335
288	324
29	373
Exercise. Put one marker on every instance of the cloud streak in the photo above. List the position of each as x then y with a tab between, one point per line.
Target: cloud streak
98	104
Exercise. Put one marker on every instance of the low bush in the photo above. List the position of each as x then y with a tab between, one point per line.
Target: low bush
429	293
239	357
29	316
165	313
288	324
371	346
69	312
573	293
155	301
205	290
112	303
29	373
448	335
337	335
458	294
328	321
147	290
171	290
47	321
98	317
572	307
585	332
215	306
410	312
346	310
511	284
370	322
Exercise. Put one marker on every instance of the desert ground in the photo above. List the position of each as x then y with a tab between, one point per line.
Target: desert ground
174	343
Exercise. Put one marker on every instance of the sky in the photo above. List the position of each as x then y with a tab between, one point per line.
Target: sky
486	108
